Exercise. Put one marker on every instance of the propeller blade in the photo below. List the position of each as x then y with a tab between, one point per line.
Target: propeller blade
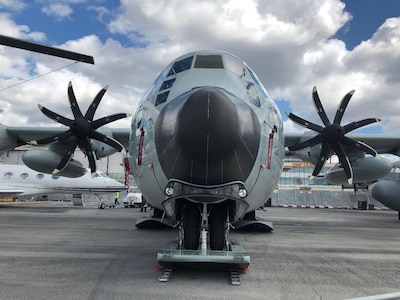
66	158
73	103
323	156
308	143
105	120
107	140
342	107
95	103
359	146
304	123
344	161
89	153
54	116
354	125
320	108
51	139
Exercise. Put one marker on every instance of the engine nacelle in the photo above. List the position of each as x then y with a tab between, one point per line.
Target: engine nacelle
45	161
387	192
365	169
101	149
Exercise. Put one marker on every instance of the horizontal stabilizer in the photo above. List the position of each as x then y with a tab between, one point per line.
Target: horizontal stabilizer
21	44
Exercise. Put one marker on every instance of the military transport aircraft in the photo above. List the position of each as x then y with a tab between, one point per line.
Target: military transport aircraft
206	148
21	181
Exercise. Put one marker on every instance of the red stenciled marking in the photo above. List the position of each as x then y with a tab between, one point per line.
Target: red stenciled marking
127	170
140	150
270	145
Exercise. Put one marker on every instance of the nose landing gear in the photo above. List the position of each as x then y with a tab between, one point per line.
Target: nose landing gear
204	240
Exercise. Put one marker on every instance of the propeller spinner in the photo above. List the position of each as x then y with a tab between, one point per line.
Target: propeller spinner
332	136
81	129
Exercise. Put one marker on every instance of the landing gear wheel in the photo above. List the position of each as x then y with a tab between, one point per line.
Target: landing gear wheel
191	227
217	221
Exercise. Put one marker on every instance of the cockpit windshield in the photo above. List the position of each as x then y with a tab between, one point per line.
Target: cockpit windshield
181	65
208	62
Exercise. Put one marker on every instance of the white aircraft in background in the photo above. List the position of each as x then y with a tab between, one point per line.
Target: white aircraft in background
19	181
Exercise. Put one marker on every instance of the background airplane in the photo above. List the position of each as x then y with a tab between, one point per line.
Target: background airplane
206	146
21	181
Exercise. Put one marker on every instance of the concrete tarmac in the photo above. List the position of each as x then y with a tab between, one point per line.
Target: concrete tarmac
55	251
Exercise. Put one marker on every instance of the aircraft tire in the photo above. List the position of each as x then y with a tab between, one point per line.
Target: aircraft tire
191	227
217	227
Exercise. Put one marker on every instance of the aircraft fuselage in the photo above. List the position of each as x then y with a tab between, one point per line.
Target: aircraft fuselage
208	128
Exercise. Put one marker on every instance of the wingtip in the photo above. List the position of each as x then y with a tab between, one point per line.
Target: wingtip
34	143
287	149
350	181
314	89
287	112
123	151
93	174
40	106
56	171
311	178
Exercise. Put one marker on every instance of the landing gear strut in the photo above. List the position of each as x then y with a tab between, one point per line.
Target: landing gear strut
204	240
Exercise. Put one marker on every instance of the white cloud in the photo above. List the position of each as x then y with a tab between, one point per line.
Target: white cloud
12	4
58	10
289	44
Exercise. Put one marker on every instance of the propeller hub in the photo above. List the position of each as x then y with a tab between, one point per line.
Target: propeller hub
81	128
333	133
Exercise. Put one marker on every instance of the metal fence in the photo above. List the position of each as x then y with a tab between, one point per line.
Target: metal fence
325	198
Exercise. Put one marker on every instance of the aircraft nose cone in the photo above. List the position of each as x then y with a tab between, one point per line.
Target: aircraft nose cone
207	126
207	137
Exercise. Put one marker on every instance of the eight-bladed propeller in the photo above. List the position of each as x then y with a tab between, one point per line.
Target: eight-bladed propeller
332	136
81	129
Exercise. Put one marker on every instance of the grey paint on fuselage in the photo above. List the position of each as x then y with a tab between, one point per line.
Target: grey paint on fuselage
233	77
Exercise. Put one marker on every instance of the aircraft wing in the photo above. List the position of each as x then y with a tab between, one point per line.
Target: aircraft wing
10	192
381	143
26	134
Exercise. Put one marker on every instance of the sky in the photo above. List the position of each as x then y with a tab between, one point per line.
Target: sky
291	45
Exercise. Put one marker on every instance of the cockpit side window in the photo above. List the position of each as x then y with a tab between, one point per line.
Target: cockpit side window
167	84
209	62
161	98
181	65
234	66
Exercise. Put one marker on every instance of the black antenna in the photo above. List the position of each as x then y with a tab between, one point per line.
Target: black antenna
21	44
